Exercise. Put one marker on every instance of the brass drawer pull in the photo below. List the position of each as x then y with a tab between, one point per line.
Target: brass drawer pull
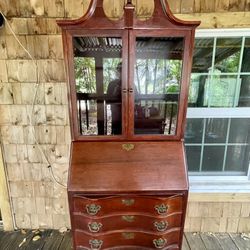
95	244
128	146
161	226
161	209
128	202
128	218
93	209
128	236
160	243
94	227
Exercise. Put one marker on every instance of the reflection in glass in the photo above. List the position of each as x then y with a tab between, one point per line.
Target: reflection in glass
213	158
239	130
221	91
193	158
227	55
237	158
203	54
244	100
194	131
157	84
97	66
246	55
216	130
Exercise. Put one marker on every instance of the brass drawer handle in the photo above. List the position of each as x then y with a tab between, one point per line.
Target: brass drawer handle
128	146
94	227
160	243
128	236
161	209
128	218
161	226
95	244
92	209
128	202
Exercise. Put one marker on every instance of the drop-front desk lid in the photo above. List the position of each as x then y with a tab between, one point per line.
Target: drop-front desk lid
121	167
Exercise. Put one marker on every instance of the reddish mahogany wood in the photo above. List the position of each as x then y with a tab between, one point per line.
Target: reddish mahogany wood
128	222
129	239
101	171
163	24
140	204
105	167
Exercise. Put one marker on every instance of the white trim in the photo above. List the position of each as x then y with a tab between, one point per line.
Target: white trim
221	184
200	33
218	112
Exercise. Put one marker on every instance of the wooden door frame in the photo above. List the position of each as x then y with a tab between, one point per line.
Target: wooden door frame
5	205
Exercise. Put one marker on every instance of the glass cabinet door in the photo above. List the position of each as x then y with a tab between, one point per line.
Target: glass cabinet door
98	84
157	84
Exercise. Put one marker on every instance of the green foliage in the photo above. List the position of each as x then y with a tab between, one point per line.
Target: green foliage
85	74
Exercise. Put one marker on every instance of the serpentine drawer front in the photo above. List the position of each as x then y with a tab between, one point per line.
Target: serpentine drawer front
127	221
112	205
127	238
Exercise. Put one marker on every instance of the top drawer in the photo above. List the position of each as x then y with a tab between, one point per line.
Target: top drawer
158	206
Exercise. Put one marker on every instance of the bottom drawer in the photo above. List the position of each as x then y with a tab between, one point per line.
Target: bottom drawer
168	240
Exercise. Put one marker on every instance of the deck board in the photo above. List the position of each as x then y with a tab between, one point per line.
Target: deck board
242	244
185	245
226	241
53	240
210	241
195	242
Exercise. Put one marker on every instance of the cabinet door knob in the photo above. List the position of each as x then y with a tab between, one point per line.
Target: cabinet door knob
161	226
95	244
161	209
93	209
94	227
130	90
124	90
160	243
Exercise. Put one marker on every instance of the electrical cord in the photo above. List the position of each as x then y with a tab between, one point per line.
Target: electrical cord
31	115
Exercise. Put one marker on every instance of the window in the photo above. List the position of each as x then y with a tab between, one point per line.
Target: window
217	134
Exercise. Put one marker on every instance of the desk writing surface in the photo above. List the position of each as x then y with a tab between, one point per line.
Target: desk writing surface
105	167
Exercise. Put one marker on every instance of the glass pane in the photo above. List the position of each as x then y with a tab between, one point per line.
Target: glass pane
194	131
196	90
221	91
246	62
244	99
157	84
203	54
213	158
216	130
97	65
193	158
239	130
227	55
237	158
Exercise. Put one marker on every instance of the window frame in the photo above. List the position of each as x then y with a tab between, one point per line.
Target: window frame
221	183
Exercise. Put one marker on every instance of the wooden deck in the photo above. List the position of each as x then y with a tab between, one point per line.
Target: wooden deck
54	240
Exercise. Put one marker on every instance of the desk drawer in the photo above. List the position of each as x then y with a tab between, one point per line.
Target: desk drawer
137	239
133	222
155	206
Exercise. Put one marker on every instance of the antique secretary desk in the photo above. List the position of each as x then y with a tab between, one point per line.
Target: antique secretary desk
128	90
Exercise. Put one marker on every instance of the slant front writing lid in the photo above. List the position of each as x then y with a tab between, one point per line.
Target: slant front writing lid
128	78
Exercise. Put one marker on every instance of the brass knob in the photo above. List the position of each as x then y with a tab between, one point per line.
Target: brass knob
160	243
94	227
95	244
161	209
161	226
93	209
